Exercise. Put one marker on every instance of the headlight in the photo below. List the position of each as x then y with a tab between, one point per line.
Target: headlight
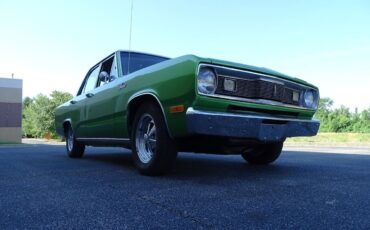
310	99
207	82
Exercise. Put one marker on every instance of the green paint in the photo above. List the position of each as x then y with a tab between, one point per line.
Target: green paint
172	82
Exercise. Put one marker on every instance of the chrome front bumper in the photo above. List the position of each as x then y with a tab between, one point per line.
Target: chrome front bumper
248	126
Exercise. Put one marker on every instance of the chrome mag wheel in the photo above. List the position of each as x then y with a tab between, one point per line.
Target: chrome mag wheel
74	148
146	138
70	140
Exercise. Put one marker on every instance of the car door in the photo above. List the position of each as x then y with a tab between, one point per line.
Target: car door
100	105
79	114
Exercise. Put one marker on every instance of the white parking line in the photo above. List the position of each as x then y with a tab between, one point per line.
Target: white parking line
326	149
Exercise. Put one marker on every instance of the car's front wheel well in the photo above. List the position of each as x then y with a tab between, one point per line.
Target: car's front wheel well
66	124
134	105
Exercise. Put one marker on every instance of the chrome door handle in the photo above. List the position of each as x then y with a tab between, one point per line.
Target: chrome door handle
89	95
73	102
122	85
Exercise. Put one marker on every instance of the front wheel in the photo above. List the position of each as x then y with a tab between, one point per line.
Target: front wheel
74	148
154	151
263	154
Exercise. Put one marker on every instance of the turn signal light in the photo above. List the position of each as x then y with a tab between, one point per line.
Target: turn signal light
177	109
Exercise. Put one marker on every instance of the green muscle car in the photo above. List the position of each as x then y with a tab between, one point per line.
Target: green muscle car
157	106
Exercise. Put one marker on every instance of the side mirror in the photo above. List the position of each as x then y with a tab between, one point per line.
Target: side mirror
103	76
112	78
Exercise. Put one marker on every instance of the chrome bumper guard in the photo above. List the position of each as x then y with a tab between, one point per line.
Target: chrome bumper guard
262	128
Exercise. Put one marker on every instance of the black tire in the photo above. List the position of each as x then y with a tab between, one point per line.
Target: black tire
263	154
74	148
153	150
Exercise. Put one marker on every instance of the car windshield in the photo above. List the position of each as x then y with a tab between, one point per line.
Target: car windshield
138	61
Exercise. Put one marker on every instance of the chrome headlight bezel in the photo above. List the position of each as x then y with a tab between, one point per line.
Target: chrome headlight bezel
206	81
310	98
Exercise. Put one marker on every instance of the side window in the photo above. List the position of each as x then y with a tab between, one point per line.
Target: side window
91	80
108	71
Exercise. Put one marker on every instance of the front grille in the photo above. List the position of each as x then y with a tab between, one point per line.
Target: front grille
258	89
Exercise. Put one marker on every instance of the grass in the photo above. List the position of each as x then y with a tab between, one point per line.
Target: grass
343	139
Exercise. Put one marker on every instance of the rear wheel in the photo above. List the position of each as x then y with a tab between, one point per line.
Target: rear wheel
154	152
74	148
263	154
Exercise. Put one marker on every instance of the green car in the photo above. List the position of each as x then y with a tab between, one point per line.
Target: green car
158	106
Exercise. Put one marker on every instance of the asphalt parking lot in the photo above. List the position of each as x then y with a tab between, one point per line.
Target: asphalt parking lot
40	187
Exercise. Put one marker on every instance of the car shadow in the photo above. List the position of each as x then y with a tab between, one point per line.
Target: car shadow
208	166
205	165
190	165
289	163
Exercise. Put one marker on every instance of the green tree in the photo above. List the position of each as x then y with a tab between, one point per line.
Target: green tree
323	112
26	124
325	104
362	122
57	98
27	101
340	120
39	114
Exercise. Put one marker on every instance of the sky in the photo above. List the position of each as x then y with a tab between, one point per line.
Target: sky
52	44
